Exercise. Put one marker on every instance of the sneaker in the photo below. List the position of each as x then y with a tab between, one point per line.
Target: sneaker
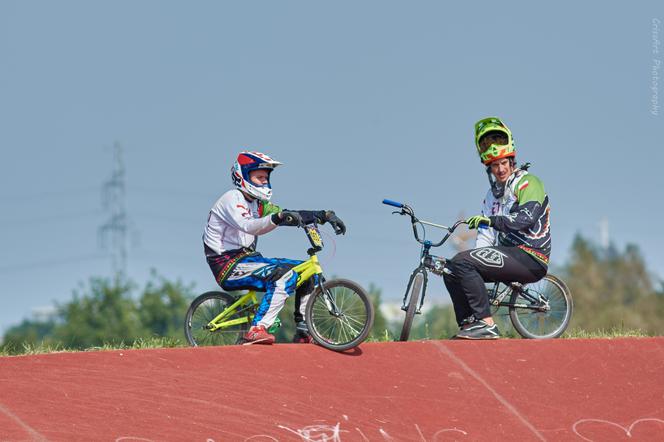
479	330
302	333
257	335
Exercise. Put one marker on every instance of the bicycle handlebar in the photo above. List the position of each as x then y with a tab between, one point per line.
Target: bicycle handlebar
292	219
407	210
393	203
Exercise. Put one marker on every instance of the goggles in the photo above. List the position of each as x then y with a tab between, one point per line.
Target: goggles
493	138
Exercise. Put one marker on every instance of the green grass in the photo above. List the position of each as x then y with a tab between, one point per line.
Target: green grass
26	349
510	333
612	333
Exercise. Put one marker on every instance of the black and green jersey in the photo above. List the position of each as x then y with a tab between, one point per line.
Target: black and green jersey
521	217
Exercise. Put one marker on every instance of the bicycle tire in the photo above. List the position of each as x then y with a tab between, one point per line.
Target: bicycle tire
416	289
337	332
543	325
202	310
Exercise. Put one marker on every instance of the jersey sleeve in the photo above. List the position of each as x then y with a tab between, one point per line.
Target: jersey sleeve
237	214
530	196
486	236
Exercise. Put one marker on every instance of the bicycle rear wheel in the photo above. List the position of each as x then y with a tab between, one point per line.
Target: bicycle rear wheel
340	317
204	309
415	287
541	310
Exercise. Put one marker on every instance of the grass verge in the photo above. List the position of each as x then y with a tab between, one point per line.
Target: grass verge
47	347
612	333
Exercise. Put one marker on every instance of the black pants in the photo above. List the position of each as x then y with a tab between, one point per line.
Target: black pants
467	272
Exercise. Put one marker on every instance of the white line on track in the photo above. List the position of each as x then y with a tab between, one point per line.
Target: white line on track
31	431
499	398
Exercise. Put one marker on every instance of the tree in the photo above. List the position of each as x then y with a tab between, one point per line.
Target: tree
612	289
439	322
27	333
106	312
162	306
380	325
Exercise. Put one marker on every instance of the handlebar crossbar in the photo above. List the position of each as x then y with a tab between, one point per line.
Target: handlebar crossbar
440	226
407	210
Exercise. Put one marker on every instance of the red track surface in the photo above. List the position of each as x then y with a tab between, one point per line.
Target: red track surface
421	391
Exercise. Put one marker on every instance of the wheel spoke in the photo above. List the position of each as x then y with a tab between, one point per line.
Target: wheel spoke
205	309
542	322
344	325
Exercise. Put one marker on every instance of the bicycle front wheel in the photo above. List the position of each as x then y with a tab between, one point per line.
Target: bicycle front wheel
416	289
340	316
203	310
541	310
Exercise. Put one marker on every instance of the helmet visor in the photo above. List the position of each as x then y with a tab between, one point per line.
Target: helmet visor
491	138
488	121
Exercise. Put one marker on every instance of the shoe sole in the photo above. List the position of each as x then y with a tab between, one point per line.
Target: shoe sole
483	338
264	341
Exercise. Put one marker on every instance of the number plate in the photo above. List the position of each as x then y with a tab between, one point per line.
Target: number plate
314	236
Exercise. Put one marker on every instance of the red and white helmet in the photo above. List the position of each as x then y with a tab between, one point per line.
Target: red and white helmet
245	163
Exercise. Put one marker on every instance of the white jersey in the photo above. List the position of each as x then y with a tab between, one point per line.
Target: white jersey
234	222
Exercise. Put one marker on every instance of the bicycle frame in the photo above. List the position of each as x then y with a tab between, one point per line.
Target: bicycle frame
428	262
436	265
305	271
538	303
220	320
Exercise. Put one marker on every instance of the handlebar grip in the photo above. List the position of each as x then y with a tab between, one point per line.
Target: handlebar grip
393	203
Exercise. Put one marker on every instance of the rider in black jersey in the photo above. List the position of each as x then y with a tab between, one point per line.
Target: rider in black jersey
513	241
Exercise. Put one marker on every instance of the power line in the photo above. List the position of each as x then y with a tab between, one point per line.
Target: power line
193	219
47	219
47	264
48	195
167	192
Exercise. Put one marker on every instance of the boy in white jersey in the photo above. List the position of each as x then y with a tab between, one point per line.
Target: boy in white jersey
230	237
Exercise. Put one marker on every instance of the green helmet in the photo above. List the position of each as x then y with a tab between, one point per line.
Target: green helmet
493	140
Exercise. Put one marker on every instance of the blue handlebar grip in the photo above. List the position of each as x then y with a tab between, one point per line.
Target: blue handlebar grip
392	203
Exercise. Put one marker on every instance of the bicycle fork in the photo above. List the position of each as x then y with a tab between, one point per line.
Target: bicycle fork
329	301
418	280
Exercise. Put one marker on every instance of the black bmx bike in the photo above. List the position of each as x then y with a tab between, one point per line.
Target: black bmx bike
539	310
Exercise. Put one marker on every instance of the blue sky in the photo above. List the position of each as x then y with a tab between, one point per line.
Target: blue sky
360	100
